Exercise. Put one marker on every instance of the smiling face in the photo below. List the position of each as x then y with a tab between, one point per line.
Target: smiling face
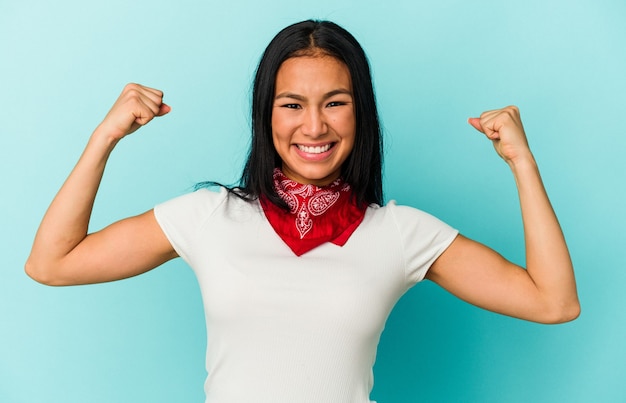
313	120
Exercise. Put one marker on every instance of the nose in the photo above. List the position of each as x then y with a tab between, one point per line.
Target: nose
314	123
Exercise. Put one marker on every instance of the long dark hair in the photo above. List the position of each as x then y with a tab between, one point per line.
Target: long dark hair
363	168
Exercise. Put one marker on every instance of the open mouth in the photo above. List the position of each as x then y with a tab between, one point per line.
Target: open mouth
315	149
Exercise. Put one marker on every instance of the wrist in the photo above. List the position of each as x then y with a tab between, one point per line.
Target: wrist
522	165
104	138
523	162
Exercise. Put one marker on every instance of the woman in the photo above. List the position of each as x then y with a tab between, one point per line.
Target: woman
300	266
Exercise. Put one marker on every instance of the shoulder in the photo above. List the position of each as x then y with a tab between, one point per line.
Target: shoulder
408	225
202	200
203	204
420	236
406	216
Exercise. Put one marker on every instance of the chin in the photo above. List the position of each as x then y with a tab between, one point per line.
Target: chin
312	176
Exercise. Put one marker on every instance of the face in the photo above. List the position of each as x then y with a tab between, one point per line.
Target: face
313	121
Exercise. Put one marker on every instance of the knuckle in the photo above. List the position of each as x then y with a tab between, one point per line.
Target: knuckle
513	110
131	87
133	91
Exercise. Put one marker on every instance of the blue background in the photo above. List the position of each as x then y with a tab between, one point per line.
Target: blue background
435	63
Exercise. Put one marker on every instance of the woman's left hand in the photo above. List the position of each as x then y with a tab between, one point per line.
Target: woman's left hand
546	291
504	128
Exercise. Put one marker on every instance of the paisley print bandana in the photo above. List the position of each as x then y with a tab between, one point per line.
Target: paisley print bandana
316	214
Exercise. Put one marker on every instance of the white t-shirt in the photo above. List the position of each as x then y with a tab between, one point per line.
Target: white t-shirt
283	328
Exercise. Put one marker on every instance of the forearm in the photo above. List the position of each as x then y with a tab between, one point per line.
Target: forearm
548	261
65	223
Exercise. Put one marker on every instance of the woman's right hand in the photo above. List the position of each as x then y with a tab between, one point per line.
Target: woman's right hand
63	252
136	106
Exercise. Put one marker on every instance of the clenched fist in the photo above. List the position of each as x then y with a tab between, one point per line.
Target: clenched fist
504	128
135	107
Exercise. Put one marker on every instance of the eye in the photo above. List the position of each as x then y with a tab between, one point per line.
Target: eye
335	103
340	102
291	106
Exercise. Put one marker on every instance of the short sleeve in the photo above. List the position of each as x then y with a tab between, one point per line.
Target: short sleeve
183	217
424	238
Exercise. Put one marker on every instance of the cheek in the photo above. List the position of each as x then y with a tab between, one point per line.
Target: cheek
277	143
276	131
350	136
280	126
279	138
347	126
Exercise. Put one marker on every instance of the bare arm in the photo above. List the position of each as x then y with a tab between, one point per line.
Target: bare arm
63	253
544	292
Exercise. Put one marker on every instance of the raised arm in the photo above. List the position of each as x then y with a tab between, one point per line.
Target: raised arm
63	253
546	291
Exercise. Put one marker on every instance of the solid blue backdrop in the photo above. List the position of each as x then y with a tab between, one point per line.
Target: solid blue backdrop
435	63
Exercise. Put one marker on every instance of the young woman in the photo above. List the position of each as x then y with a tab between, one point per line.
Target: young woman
301	265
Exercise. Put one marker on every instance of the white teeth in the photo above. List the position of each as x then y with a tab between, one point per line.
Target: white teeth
314	150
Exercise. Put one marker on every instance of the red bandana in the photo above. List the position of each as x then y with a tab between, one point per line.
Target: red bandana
317	214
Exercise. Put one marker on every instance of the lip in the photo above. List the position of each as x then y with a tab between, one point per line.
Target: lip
313	156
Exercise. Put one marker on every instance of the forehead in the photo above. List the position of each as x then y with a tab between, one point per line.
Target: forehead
310	72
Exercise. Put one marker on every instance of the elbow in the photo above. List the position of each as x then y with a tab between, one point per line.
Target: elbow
563	314
572	313
41	273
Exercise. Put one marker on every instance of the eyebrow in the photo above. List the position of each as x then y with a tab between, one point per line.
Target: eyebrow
302	98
